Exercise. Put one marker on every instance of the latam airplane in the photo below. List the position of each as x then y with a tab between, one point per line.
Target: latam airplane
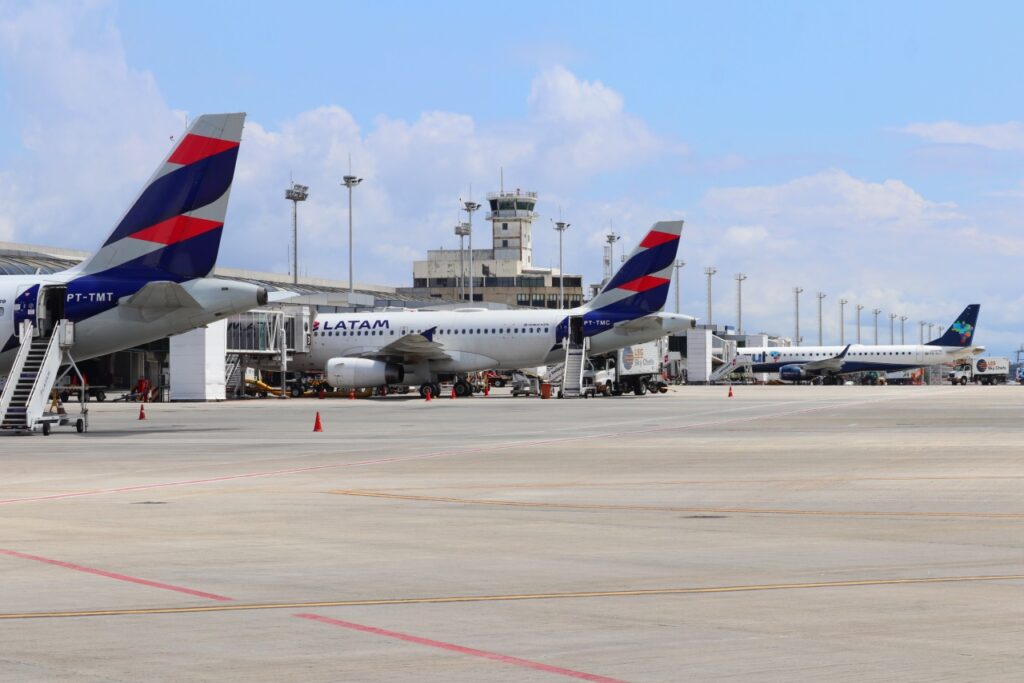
806	363
421	347
149	278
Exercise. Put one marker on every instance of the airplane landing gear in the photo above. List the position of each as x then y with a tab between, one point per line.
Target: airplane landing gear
435	390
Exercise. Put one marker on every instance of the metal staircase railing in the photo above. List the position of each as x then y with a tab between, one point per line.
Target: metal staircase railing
31	385
575	361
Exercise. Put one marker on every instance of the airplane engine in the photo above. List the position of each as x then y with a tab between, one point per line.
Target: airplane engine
357	373
793	373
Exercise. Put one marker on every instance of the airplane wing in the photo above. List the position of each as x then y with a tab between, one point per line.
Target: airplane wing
418	346
833	364
160	296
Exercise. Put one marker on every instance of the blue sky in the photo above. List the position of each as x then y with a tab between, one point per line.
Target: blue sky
871	151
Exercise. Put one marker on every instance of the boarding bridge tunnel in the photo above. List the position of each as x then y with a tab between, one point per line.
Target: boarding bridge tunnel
265	339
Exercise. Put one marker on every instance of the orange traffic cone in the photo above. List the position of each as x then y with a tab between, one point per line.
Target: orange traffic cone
487	389
730	391
142	411
453	391
351	394
427	394
321	394
317	427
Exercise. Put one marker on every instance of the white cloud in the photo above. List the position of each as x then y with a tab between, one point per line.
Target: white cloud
91	125
1007	136
831	200
94	128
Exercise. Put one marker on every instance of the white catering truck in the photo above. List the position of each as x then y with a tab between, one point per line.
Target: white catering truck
990	370
637	368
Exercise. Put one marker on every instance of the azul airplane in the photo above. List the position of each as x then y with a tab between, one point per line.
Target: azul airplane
421	347
805	363
148	279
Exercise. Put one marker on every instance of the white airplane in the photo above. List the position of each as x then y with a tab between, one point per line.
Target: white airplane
148	280
805	363
421	347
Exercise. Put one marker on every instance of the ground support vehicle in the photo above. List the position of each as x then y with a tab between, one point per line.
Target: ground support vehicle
989	370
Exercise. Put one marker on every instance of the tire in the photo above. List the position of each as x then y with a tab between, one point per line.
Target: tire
498	383
463	389
423	390
295	392
46	429
640	389
101	396
963	381
79	425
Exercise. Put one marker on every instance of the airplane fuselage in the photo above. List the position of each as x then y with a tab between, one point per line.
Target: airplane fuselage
859	358
103	323
476	339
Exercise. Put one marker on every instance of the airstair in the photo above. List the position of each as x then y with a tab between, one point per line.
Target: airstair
33	376
555	373
737	364
233	374
575	362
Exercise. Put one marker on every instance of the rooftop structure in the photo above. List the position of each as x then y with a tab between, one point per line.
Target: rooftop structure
503	273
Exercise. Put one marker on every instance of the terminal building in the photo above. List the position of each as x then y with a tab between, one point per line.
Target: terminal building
505	272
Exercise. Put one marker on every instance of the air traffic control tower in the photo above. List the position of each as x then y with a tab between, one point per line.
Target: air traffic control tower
512	217
505	272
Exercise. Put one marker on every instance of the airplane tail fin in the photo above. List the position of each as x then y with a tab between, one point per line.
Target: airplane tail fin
172	231
641	285
961	332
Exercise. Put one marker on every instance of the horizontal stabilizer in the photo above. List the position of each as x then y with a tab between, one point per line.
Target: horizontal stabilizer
160	296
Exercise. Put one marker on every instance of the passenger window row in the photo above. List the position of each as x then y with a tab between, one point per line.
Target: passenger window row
373	333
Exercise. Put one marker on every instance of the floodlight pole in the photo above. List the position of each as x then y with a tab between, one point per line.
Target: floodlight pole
709	271
842	321
462	229
922	324
561	227
796	296
295	194
678	266
903	329
860	307
876	311
892	328
470	206
740	277
821	296
350	181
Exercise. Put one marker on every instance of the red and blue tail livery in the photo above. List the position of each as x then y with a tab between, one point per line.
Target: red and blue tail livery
172	231
149	278
641	285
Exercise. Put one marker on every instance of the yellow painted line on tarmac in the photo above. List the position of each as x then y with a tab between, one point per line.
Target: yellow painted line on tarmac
710	482
505	598
674	509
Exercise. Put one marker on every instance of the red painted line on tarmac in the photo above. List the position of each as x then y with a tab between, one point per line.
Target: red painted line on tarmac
118	577
436	454
505	659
